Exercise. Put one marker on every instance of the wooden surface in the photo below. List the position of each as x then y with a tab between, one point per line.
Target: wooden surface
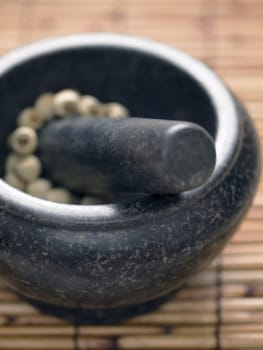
222	308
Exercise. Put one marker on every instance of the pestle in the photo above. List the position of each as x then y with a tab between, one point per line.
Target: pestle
100	155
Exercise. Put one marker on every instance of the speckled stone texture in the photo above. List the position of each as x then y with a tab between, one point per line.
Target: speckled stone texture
135	155
128	253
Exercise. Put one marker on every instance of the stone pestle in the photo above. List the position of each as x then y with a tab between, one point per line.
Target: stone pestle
136	155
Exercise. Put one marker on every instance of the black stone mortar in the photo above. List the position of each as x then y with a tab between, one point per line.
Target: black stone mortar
130	252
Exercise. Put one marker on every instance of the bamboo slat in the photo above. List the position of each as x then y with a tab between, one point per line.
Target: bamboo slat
234	341
220	308
57	343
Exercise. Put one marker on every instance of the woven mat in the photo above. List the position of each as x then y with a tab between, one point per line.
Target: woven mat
222	307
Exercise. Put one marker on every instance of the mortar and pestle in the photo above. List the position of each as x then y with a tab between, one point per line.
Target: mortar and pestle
186	166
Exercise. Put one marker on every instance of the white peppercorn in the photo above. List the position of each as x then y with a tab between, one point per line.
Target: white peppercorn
11	162
39	188
88	200
23	168
115	110
30	117
29	168
59	195
45	106
89	106
14	181
66	103
23	140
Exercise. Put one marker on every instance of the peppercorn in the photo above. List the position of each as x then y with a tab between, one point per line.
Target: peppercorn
58	195
23	140
87	200
39	188
89	106
14	181
23	168
30	117
66	103
11	162
29	168
44	105
115	110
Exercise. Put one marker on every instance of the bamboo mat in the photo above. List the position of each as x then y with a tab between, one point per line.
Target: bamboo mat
222	307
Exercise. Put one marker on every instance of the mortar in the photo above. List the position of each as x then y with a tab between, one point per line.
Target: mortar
136	250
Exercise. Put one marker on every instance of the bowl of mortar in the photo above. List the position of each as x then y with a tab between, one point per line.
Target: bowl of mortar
124	253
